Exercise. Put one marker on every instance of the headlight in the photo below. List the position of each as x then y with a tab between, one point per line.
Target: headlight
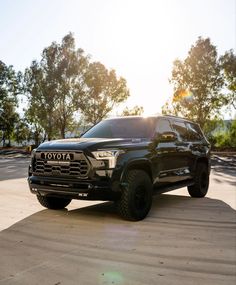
109	155
33	153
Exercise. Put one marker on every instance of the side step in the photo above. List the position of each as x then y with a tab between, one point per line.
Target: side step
175	186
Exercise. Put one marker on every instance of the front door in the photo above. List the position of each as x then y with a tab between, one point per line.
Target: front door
165	161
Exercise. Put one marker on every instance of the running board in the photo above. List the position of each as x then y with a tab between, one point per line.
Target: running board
172	187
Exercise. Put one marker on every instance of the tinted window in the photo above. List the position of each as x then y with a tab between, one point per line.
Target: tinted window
163	125
194	132
181	129
123	128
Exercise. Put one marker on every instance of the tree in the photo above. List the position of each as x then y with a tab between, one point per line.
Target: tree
32	119
197	83
41	91
72	65
54	86
136	110
211	126
64	82
103	91
232	133
227	138
8	118
9	88
228	62
22	132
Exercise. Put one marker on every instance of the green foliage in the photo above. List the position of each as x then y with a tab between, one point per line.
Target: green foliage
209	128
197	83
8	119
136	110
72	65
54	86
22	132
9	88
65	82
232	132
228	63
103	91
9	83
227	138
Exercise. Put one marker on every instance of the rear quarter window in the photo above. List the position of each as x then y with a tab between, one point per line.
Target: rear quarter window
181	128
194	132
163	125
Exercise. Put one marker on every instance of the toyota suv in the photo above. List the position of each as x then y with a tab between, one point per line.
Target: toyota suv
125	160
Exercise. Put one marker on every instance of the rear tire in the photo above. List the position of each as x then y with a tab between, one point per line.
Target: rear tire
201	183
136	198
53	203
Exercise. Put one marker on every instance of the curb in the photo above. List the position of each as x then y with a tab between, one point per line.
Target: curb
223	153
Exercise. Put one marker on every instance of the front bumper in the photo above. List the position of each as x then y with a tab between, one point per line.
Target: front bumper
74	189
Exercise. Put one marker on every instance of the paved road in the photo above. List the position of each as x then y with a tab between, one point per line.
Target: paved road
182	241
12	168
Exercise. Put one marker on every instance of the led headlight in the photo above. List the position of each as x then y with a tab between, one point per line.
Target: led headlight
108	155
33	153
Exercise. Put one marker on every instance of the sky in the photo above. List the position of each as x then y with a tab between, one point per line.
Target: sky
140	39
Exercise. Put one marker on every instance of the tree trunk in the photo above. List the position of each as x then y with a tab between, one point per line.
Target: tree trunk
49	132
36	138
62	131
3	141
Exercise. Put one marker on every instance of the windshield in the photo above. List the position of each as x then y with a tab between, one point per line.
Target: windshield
123	128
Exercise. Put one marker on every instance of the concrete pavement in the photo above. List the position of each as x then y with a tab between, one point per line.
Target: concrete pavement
182	241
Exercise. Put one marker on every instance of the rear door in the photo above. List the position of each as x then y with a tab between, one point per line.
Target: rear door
198	144
183	154
166	162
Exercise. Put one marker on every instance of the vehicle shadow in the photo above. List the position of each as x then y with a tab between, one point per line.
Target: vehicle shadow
193	239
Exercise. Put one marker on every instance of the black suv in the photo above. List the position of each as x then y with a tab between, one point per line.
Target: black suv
124	160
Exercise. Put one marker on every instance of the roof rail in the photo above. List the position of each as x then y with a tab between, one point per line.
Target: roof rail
177	117
174	116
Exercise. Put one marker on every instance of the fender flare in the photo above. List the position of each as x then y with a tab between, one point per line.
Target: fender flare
140	163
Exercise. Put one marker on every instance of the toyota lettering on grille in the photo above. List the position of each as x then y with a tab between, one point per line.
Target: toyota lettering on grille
57	156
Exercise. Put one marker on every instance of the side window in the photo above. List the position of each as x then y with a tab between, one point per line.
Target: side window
163	125
194	131
181	129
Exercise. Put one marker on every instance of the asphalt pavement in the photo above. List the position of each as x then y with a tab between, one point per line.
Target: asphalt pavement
182	241
13	168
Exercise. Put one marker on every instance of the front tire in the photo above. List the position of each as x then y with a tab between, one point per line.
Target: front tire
53	203
136	198
201	183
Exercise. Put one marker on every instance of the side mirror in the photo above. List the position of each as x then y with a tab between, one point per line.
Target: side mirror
168	137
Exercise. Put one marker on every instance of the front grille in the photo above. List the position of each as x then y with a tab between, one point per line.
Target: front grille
76	167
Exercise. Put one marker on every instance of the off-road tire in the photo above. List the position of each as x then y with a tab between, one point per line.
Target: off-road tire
53	203
136	197
201	182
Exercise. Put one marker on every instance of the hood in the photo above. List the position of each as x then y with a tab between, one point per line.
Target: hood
88	144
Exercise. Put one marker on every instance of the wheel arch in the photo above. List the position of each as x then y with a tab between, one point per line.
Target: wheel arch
204	160
141	164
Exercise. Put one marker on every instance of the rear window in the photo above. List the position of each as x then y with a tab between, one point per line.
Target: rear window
123	128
